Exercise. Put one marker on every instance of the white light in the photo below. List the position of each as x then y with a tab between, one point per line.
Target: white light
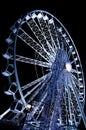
7	56
77	65
28	106
46	18
33	15
27	17
73	52
60	29
64	35
75	59
9	40
68	67
70	47
8	92
40	15
67	40
51	21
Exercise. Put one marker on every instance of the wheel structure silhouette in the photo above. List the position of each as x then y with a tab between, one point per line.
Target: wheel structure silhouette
45	74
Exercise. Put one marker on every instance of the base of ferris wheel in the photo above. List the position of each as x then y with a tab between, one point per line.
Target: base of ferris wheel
26	125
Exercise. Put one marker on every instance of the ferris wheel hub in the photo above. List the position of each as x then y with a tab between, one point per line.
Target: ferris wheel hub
68	66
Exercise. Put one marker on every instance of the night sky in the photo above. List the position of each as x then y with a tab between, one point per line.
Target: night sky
71	14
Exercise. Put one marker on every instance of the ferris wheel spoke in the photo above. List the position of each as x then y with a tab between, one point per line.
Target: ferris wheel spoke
35	46
54	34
78	101
76	71
54	44
34	89
67	99
73	107
77	81
35	93
32	61
69	104
40	36
5	113
70	51
35	82
43	86
81	88
45	30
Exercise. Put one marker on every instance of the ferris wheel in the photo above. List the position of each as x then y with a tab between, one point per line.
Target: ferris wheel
45	74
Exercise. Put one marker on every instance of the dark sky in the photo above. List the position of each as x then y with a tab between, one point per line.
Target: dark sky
71	14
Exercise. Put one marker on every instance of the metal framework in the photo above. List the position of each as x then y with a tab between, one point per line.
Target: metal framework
45	74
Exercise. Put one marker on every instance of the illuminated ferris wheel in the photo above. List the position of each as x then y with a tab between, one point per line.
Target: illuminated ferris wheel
45	74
